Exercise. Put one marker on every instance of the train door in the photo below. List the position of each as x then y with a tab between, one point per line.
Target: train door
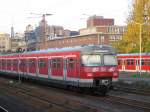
120	65
43	67
65	69
32	66
3	64
71	67
57	67
9	65
123	65
23	66
0	64
15	65
130	65
49	68
137	65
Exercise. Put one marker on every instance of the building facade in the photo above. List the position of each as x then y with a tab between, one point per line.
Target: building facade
18	42
90	39
99	21
5	44
99	31
113	33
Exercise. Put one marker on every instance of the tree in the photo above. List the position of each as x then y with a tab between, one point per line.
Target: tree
140	13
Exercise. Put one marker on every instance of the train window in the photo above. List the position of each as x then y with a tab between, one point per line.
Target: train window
42	63
148	62
22	62
32	63
91	60
56	63
71	63
9	63
3	62
119	62
142	62
15	62
130	62
110	60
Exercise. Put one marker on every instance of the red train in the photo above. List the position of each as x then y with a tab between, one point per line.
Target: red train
91	67
131	62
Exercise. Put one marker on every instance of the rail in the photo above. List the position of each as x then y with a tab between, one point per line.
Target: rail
2	109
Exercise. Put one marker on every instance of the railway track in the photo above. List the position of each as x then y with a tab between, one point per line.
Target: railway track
132	90
2	109
130	102
68	105
133	103
71	105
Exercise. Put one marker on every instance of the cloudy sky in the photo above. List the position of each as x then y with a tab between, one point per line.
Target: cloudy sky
67	13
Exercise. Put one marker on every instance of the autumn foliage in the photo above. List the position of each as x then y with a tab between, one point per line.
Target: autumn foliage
140	14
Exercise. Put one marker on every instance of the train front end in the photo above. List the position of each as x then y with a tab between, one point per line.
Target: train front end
99	67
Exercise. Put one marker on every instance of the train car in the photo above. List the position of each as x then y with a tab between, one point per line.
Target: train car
131	62
93	67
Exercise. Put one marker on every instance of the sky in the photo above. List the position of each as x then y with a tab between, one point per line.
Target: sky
66	13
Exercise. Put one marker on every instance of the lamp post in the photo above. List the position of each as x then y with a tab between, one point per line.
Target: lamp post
140	39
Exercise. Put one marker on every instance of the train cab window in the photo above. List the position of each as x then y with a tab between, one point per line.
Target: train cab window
31	63
71	63
110	60
42	63
91	60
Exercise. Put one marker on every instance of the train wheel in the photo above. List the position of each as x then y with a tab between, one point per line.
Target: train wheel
103	90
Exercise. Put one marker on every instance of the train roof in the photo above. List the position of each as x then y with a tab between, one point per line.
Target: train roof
85	48
134	54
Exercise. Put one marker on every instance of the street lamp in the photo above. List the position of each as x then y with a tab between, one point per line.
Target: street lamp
140	37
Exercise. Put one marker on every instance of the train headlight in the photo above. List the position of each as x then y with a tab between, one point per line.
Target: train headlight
95	69
115	74
89	74
103	69
112	69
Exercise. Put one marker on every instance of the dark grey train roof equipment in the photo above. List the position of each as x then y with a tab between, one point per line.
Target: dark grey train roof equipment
85	48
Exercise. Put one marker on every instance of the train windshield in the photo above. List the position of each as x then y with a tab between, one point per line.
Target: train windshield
91	60
110	60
